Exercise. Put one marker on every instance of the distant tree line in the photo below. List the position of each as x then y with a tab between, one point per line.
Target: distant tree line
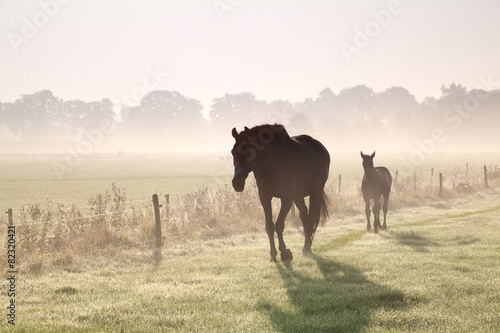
345	120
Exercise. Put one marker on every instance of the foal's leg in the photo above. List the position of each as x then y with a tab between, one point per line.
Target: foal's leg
384	207
306	223
376	215
367	212
268	212
286	204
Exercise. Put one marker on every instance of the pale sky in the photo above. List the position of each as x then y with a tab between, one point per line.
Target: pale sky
277	49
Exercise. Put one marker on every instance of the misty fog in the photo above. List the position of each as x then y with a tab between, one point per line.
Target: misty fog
352	119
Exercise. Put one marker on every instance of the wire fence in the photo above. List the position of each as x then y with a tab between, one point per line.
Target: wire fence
110	222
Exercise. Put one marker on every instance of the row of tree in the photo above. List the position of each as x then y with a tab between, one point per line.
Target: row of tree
356	116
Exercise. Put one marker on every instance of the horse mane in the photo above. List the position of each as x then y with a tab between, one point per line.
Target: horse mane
277	129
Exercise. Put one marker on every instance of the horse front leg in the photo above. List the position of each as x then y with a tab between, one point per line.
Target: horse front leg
385	208
367	213
376	215
268	213
286	204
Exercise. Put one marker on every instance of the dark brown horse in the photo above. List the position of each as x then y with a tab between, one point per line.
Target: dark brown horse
289	168
376	182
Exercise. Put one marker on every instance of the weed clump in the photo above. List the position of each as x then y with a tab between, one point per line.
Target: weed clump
217	213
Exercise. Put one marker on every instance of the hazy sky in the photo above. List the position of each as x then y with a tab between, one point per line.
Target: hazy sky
273	48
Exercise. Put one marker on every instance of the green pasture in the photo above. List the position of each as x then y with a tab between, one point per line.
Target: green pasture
31	179
436	269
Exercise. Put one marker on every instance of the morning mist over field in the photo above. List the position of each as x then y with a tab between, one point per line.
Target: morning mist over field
143	191
167	121
177	77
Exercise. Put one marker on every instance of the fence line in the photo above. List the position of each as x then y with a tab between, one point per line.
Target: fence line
157	239
86	207
70	220
142	209
154	205
83	217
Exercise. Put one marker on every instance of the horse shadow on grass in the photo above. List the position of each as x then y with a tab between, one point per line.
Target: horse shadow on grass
411	239
342	299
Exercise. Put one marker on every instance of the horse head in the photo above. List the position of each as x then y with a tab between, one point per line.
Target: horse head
368	161
243	155
250	150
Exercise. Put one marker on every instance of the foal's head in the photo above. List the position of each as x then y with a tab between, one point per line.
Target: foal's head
367	161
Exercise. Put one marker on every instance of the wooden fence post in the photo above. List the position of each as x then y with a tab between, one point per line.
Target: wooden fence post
9	214
432	175
158	220
397	172
440	184
340	183
485	177
292	210
467	170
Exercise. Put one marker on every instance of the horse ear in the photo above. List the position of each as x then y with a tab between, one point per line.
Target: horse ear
246	128
361	152
235	133
373	155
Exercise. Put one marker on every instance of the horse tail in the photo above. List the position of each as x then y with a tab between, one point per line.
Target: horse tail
319	207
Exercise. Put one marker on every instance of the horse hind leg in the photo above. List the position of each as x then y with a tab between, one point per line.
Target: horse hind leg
385	208
303	212
312	222
305	218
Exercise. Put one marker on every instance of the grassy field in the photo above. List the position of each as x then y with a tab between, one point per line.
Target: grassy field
434	270
31	179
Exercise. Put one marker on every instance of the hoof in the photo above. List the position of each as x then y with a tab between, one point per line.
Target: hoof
306	252
384	227
286	255
368	227
273	256
375	231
